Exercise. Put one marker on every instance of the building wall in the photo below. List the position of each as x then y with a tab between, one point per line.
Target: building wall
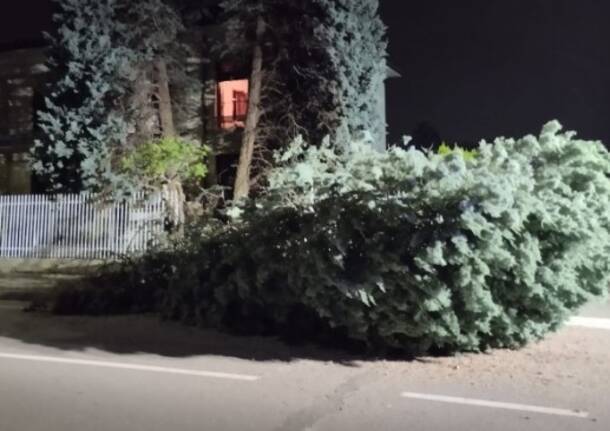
15	176
381	140
22	73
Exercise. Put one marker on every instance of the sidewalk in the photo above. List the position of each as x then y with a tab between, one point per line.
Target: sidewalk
20	278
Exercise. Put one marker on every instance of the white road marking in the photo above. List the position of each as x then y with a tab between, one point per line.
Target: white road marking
127	366
590	322
497	405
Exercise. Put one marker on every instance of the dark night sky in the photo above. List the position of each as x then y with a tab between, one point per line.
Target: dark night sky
483	68
23	20
472	68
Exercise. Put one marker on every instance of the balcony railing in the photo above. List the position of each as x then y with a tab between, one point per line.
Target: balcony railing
232	121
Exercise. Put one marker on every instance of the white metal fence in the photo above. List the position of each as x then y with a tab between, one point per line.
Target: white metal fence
78	226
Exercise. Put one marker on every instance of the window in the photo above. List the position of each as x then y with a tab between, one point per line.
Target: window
232	103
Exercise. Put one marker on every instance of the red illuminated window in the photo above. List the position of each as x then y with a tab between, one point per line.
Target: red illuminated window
232	103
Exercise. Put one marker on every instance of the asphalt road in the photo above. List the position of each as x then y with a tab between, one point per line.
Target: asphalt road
136	373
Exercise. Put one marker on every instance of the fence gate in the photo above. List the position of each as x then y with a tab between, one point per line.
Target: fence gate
78	226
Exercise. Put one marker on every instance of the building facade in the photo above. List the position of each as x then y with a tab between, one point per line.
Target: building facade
22	75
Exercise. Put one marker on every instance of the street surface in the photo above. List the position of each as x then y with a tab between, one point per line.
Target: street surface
136	373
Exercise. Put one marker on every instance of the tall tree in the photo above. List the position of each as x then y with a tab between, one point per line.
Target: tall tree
246	27
353	36
279	101
102	56
80	120
326	77
320	80
242	178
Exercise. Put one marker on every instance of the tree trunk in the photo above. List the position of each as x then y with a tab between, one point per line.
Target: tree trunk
173	192
208	111
166	116
146	116
242	179
173	195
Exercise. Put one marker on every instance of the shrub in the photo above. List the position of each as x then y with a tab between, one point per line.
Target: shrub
163	160
445	149
404	249
123	288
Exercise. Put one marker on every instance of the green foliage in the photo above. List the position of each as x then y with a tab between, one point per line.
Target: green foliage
166	159
79	119
98	51
354	39
405	249
445	149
